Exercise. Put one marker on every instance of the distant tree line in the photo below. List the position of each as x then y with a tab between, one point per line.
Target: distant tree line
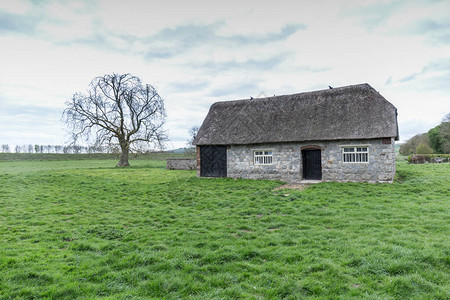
74	149
436	140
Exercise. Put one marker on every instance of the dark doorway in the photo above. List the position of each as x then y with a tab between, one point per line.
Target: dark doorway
213	161
312	164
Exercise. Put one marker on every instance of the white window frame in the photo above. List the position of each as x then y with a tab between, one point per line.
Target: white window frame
358	155
263	157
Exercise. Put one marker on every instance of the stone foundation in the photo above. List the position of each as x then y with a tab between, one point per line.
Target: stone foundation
287	161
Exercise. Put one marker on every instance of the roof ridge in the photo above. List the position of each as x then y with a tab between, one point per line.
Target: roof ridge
334	89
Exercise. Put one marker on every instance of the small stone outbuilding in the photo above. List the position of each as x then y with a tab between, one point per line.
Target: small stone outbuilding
339	134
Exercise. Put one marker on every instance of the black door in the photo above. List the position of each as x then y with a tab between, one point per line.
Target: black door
312	164
213	161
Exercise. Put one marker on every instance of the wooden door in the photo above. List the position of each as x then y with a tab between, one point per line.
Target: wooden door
213	161
312	164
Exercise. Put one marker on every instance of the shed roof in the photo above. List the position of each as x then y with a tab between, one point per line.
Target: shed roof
350	112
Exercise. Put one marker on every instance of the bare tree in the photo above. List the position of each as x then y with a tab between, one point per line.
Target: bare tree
192	134
117	109
446	118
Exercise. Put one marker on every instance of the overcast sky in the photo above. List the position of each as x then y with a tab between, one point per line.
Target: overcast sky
198	52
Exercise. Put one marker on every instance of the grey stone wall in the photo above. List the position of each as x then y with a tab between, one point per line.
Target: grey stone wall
181	164
286	164
287	161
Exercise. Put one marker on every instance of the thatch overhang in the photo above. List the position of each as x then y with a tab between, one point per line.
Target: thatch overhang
350	112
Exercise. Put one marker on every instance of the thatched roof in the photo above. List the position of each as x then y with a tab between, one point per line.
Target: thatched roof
350	112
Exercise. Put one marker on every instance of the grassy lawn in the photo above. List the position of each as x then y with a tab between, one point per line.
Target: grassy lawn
82	228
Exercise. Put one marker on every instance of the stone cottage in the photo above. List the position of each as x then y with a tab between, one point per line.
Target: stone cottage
337	134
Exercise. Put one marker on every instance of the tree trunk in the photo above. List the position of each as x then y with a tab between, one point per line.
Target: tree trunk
124	158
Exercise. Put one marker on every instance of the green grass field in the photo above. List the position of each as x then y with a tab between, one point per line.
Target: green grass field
84	229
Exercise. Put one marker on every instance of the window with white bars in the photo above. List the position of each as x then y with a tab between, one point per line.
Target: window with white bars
262	157
355	154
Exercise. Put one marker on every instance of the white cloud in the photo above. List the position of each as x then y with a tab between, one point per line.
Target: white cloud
16	7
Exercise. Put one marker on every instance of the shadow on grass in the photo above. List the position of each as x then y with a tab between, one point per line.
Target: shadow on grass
402	176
